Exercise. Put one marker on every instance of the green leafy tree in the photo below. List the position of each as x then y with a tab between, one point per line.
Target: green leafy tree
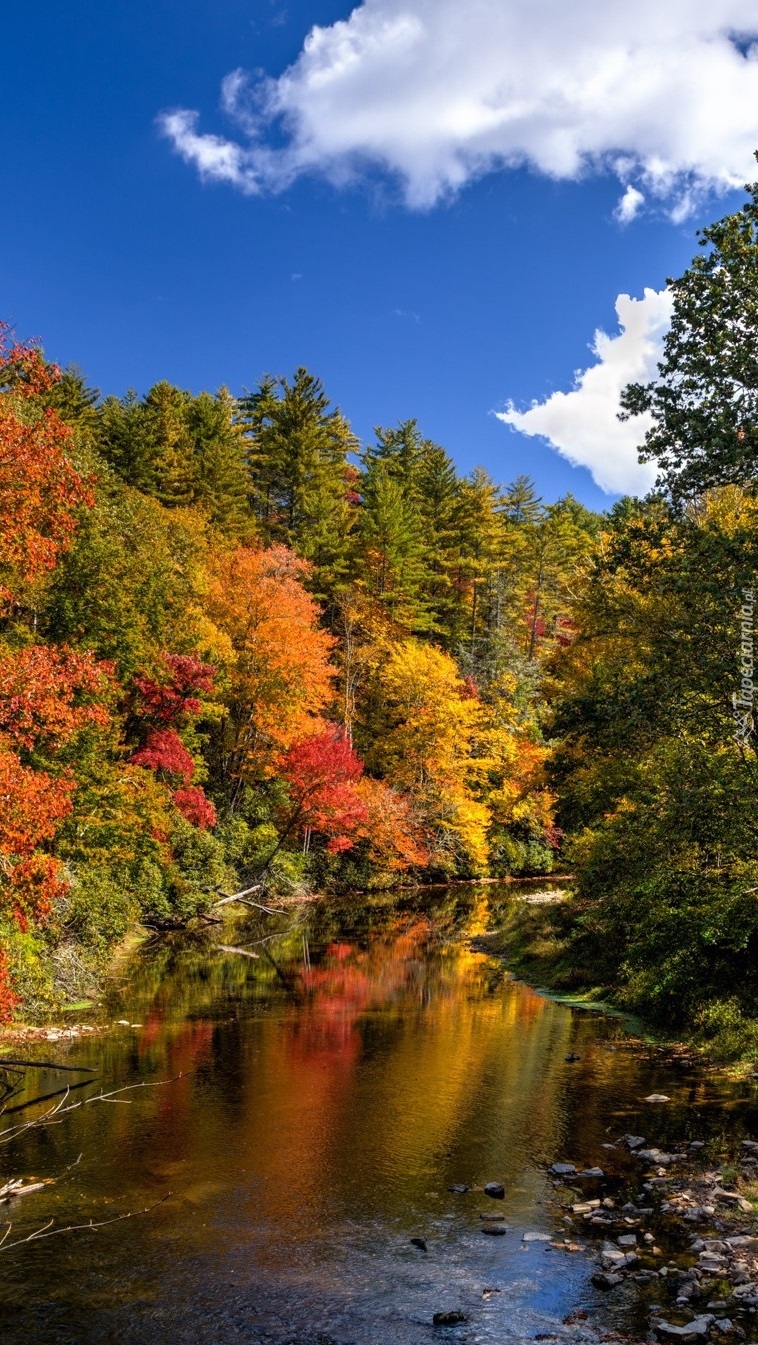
704	400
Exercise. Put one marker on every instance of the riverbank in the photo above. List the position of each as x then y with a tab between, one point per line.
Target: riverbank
543	939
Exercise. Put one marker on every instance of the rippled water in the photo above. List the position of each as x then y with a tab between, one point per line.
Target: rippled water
331	1089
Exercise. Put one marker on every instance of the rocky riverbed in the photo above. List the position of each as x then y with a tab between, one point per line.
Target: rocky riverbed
678	1228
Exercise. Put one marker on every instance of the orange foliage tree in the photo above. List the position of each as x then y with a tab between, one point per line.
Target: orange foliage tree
47	696
279	675
40	489
393	829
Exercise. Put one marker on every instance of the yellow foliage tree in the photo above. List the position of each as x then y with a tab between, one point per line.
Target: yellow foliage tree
430	750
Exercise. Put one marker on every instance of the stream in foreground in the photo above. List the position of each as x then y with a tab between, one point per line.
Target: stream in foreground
332	1090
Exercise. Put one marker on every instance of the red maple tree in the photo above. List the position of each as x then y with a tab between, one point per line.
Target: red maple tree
321	774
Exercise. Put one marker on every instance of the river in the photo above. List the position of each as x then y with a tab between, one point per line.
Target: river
326	1093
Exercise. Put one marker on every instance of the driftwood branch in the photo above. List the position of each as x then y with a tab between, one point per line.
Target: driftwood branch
243	898
228	948
47	1230
55	1114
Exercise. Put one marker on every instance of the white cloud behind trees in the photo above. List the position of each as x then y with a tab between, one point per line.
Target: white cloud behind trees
583	424
436	93
433	94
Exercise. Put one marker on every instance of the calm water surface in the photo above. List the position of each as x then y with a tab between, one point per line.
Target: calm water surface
331	1089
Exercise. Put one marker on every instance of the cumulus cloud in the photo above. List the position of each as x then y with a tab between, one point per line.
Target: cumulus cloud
583	424
436	93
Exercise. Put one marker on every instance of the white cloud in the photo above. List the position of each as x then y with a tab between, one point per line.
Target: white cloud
583	424
629	205
664	94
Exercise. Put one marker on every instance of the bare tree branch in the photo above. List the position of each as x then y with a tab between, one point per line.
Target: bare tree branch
47	1230
56	1113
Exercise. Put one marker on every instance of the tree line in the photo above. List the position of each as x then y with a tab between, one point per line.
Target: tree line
237	646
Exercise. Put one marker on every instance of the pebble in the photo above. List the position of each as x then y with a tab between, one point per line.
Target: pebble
495	1189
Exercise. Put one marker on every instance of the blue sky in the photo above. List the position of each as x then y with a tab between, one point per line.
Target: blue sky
417	270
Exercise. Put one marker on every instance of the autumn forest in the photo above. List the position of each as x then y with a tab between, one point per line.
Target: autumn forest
240	648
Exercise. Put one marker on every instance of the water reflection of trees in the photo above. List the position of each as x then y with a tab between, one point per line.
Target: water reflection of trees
356	1083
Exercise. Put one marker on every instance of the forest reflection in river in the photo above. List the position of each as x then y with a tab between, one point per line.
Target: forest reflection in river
330	1090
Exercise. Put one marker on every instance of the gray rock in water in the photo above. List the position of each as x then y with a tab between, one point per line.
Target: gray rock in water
633	1141
448	1318
536	1237
697	1329
495	1230
458	1189
562	1169
606	1280
591	1172
495	1189
420	1243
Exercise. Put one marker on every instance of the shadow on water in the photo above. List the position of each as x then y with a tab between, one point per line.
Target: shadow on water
327	1092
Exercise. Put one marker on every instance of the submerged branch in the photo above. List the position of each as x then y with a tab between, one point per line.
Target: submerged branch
47	1230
